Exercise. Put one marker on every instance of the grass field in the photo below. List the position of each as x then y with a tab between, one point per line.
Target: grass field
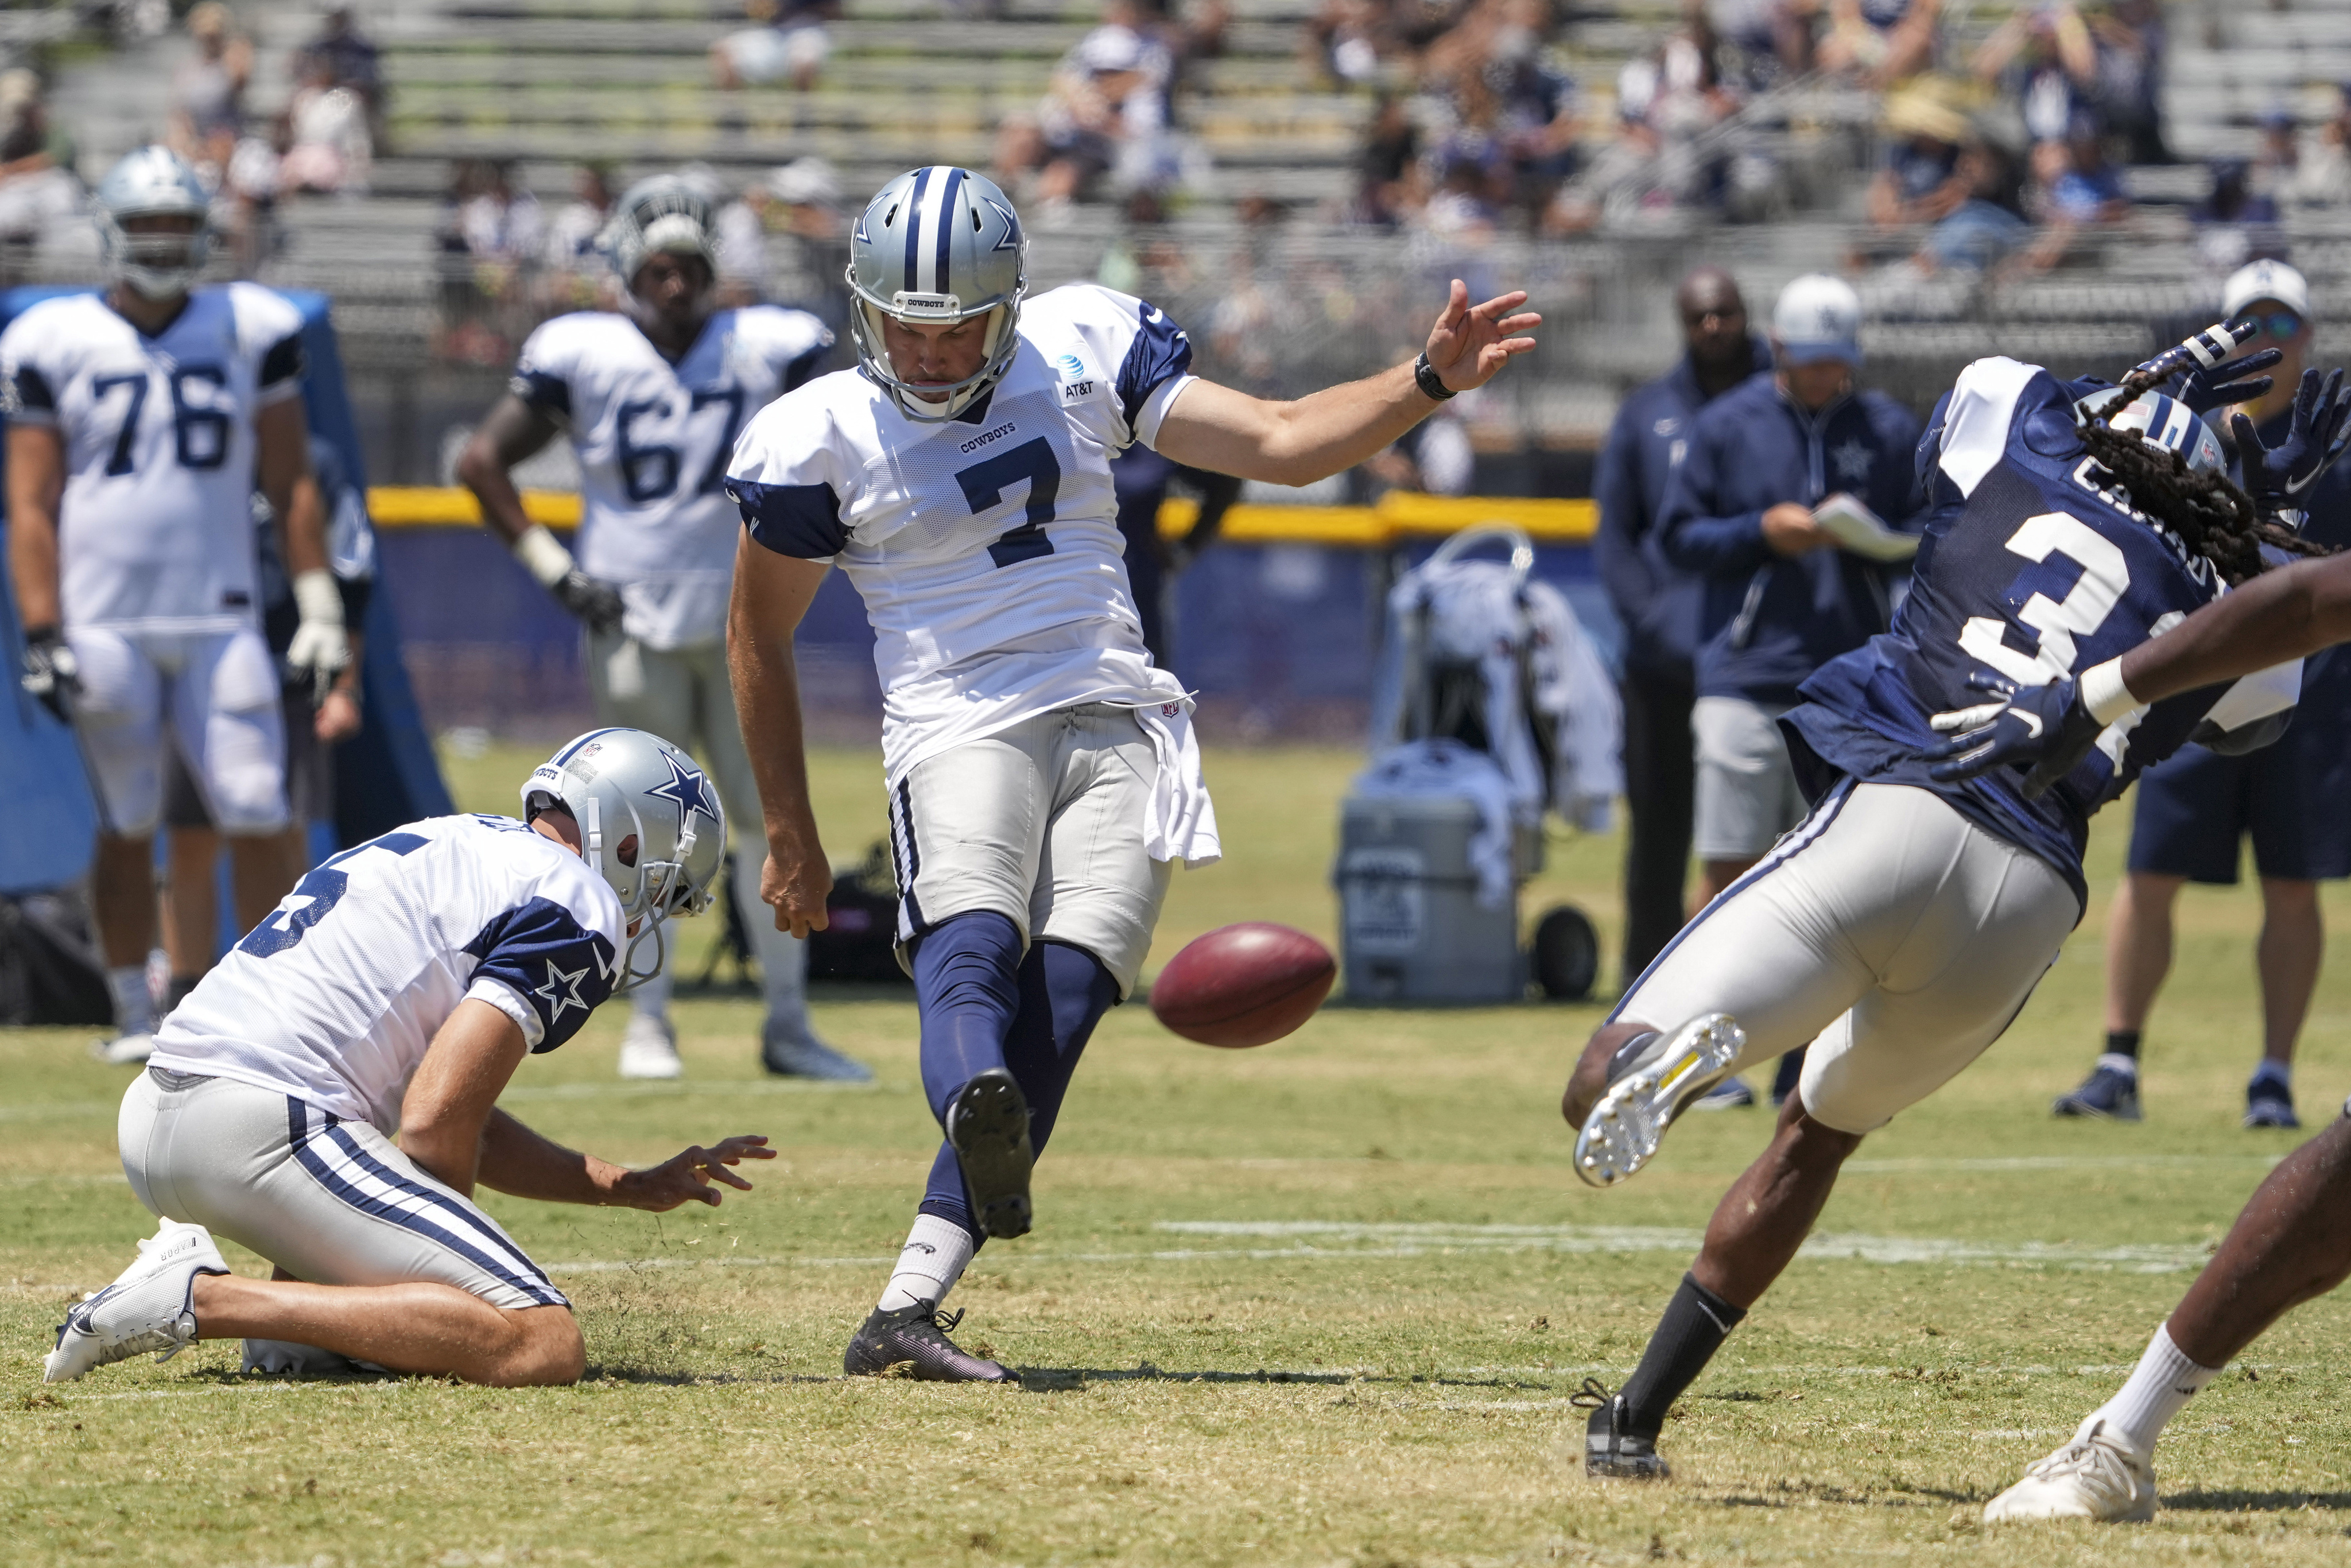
1319	1304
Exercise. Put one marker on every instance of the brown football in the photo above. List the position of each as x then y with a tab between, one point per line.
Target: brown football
1244	985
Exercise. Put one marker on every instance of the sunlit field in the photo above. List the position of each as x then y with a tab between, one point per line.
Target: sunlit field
1324	1303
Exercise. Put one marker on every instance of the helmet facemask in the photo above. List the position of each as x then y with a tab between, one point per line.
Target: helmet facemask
941	402
157	264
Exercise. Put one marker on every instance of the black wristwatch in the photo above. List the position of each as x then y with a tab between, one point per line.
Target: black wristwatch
1425	376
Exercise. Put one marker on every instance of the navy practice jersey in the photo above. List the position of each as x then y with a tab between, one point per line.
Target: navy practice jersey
2030	570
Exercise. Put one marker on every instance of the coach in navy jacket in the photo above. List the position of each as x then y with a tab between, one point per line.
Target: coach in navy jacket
1659	602
1781	599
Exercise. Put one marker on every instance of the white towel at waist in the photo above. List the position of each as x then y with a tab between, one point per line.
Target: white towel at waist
1182	821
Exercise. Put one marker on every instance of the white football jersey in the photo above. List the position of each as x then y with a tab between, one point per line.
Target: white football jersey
334	996
155	528
653	439
987	547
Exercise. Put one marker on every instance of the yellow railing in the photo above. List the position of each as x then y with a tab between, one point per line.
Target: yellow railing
1399	515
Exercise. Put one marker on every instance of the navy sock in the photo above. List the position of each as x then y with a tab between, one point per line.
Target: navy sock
1696	1323
1063	993
966	984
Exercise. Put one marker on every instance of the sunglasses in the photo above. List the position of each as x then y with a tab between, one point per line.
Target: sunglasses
2278	324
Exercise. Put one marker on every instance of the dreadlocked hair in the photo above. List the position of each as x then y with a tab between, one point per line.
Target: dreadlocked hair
2211	515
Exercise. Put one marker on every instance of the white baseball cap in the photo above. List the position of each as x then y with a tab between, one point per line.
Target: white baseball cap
1817	317
2265	280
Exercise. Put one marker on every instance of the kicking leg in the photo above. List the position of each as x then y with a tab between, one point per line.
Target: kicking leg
1063	993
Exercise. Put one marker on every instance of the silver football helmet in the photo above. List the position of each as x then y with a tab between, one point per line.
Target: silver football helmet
665	213
153	181
650	825
2163	423
938	244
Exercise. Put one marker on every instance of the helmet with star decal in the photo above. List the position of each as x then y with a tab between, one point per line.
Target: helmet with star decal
650	825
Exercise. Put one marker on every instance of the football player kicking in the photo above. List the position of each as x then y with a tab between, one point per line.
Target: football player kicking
396	990
140	423
1043	775
1900	928
652	399
2292	1243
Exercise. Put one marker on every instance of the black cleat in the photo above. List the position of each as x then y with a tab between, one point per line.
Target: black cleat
911	1341
1609	1451
988	1127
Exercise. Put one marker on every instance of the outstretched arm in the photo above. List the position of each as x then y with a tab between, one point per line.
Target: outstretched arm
2289	614
1296	442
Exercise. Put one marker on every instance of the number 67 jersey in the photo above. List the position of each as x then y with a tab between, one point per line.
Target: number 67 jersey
986	547
2031	570
155	526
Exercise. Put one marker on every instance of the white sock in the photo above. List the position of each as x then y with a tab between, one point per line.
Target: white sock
2115	1062
134	1008
2164	1381
933	1259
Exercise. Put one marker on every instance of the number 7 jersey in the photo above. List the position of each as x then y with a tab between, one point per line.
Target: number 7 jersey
2030	569
986	547
155	526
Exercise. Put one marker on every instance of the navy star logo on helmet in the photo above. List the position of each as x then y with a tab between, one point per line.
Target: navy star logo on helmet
690	789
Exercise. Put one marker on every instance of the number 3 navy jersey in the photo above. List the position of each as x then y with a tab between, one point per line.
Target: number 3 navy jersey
334	998
653	437
155	528
986	547
2029	570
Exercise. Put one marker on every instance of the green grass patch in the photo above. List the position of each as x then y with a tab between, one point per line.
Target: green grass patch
1324	1303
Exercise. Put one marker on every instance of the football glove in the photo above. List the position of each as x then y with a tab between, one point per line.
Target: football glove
2279	477
2239	380
2045	728
321	646
52	675
597	604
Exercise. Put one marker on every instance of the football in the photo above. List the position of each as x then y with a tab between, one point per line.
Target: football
1243	985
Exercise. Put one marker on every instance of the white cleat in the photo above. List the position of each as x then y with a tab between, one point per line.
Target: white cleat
649	1050
149	1308
284	1358
2098	1475
1622	1134
124	1050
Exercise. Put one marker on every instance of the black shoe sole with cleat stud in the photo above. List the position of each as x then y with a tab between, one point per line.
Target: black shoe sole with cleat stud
988	1127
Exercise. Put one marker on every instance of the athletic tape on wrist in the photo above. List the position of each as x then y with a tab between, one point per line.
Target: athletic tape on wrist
543	555
2102	695
317	596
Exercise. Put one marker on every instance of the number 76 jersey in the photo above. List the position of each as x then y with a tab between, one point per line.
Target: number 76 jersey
2031	570
155	526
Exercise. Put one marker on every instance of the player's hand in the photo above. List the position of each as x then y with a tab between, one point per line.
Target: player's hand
794	886
339	718
687	1177
2239	380
2280	476
1470	344
597	604
2046	727
1789	529
319	653
52	674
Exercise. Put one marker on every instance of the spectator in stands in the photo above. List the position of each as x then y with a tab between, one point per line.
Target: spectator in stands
498	222
2234	225
328	148
208	90
1920	182
1659	603
2074	189
1531	107
783	242
576	273
2281	154
1990	224
490	237
1781	598
1462	206
1107	105
787	41
2322	169
2131	45
37	187
1667	103
1387	188
351	61
1876	43
2043	61
1343	42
